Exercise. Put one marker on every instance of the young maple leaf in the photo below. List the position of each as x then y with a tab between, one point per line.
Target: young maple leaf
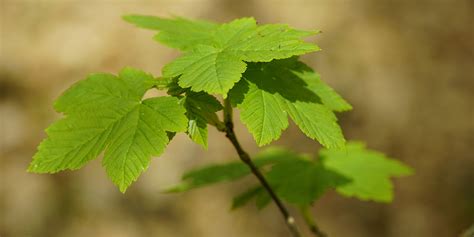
216	54
106	112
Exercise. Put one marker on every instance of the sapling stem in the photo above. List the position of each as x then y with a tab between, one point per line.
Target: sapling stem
310	222
244	156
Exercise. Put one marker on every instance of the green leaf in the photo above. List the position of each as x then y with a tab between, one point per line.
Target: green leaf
302	181
206	69
243	198
368	170
317	122
357	172
261	111
216	65
261	196
272	91
105	112
201	109
177	32
174	89
298	180
212	174
327	95
262	199
263	43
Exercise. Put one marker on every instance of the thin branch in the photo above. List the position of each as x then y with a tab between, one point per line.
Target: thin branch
309	219
244	156
162	83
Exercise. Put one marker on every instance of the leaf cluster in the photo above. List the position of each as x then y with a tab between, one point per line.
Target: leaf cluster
257	69
301	179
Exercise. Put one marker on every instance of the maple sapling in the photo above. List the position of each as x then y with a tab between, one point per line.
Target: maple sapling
253	68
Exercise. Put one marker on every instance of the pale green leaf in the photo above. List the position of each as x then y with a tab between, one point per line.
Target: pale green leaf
105	88
272	41
206	69
368	170
262	113
105	112
317	122
271	91
215	66
176	32
328	96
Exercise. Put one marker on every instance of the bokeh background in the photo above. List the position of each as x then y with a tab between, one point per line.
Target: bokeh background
406	66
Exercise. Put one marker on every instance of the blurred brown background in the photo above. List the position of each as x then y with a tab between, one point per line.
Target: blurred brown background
406	66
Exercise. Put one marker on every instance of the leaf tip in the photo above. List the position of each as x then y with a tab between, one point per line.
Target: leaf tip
129	18
123	188
32	168
179	188
204	146
405	170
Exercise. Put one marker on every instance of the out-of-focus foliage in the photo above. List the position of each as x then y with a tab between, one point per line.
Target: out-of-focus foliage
228	172
369	171
299	179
